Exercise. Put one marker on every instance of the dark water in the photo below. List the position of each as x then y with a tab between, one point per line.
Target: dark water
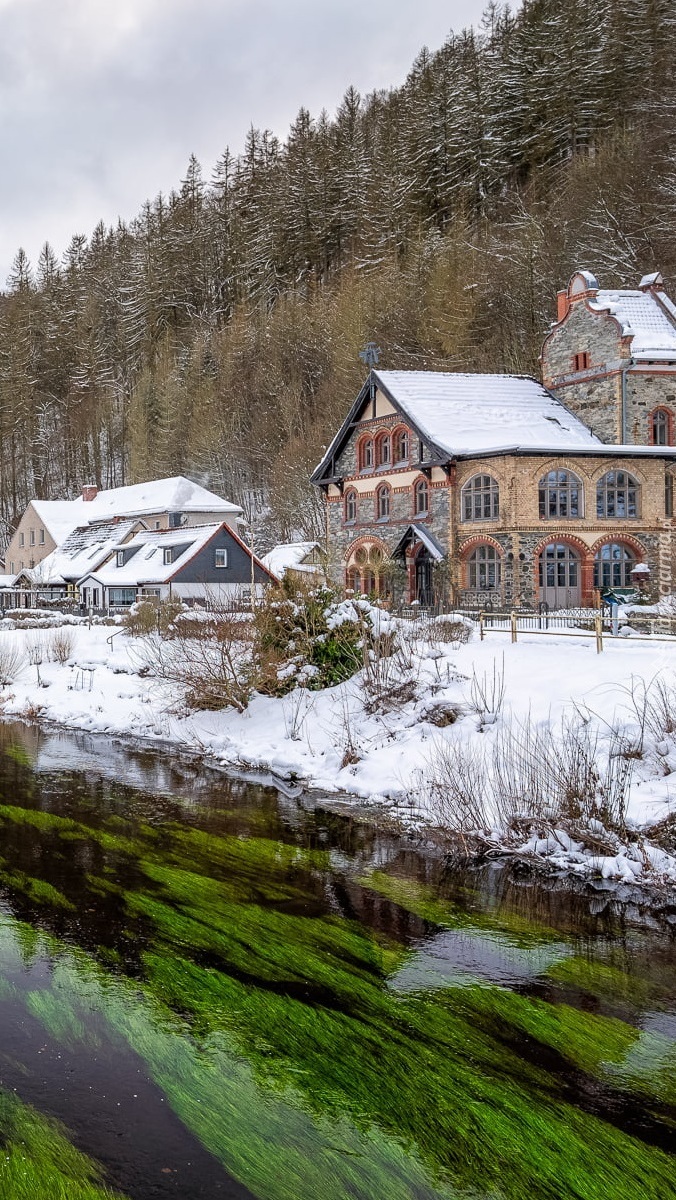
207	991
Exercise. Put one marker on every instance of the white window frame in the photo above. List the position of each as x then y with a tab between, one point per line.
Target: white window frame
220	552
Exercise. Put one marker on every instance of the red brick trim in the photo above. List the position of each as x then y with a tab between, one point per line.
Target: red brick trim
367	539
621	538
479	539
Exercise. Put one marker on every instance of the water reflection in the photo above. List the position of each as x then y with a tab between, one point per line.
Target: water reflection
220	992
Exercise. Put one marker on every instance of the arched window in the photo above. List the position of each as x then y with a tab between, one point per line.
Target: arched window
384	450
617	495
421	498
481	499
383	496
560	495
350	507
613	566
401	446
484	569
365	569
366	455
661	427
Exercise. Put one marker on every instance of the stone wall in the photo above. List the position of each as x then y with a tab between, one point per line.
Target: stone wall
595	395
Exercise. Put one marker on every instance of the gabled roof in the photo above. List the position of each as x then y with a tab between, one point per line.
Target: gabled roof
459	415
144	556
176	494
648	317
290	556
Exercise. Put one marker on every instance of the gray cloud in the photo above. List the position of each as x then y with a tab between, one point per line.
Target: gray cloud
101	105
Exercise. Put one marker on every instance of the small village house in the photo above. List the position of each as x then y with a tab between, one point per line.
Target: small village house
159	503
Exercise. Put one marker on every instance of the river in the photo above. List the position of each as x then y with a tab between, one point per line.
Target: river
209	990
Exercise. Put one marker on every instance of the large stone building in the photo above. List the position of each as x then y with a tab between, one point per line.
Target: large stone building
611	358
477	488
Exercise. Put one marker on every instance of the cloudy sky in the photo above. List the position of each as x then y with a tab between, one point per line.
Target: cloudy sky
102	101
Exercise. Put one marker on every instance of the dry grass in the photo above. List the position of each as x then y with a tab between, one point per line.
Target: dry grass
529	776
12	661
61	644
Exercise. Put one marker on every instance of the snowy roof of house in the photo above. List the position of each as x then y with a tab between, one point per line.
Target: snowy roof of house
473	415
176	494
82	551
466	414
289	556
144	556
648	317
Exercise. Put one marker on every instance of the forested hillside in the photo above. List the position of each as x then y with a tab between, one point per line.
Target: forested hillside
217	333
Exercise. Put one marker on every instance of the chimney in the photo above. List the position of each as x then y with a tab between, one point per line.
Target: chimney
89	491
561	304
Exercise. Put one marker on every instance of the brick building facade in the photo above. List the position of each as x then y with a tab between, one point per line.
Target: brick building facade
476	488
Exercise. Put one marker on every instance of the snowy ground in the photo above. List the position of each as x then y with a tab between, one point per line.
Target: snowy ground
328	740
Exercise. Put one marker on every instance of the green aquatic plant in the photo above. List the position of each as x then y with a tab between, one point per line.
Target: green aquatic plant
38	1160
274	1027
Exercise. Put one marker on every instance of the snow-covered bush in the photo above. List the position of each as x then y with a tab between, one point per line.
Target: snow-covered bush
148	616
305	636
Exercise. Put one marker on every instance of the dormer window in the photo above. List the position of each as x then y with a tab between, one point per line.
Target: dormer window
582	361
120	558
168	556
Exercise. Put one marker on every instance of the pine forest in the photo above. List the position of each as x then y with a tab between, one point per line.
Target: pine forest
217	333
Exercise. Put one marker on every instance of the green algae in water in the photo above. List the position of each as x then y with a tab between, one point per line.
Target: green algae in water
38	1161
277	1031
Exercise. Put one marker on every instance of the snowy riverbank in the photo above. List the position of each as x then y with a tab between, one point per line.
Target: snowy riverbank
393	755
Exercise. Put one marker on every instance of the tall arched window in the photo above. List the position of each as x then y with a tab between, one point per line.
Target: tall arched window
613	565
617	495
484	569
383	497
350	507
384	450
402	446
481	499
421	498
560	495
661	427
366	455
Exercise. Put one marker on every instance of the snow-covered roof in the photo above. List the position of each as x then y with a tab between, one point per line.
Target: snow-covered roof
82	551
144	556
289	556
648	317
477	414
176	494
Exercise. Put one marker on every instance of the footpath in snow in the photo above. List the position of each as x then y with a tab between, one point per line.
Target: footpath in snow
408	756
